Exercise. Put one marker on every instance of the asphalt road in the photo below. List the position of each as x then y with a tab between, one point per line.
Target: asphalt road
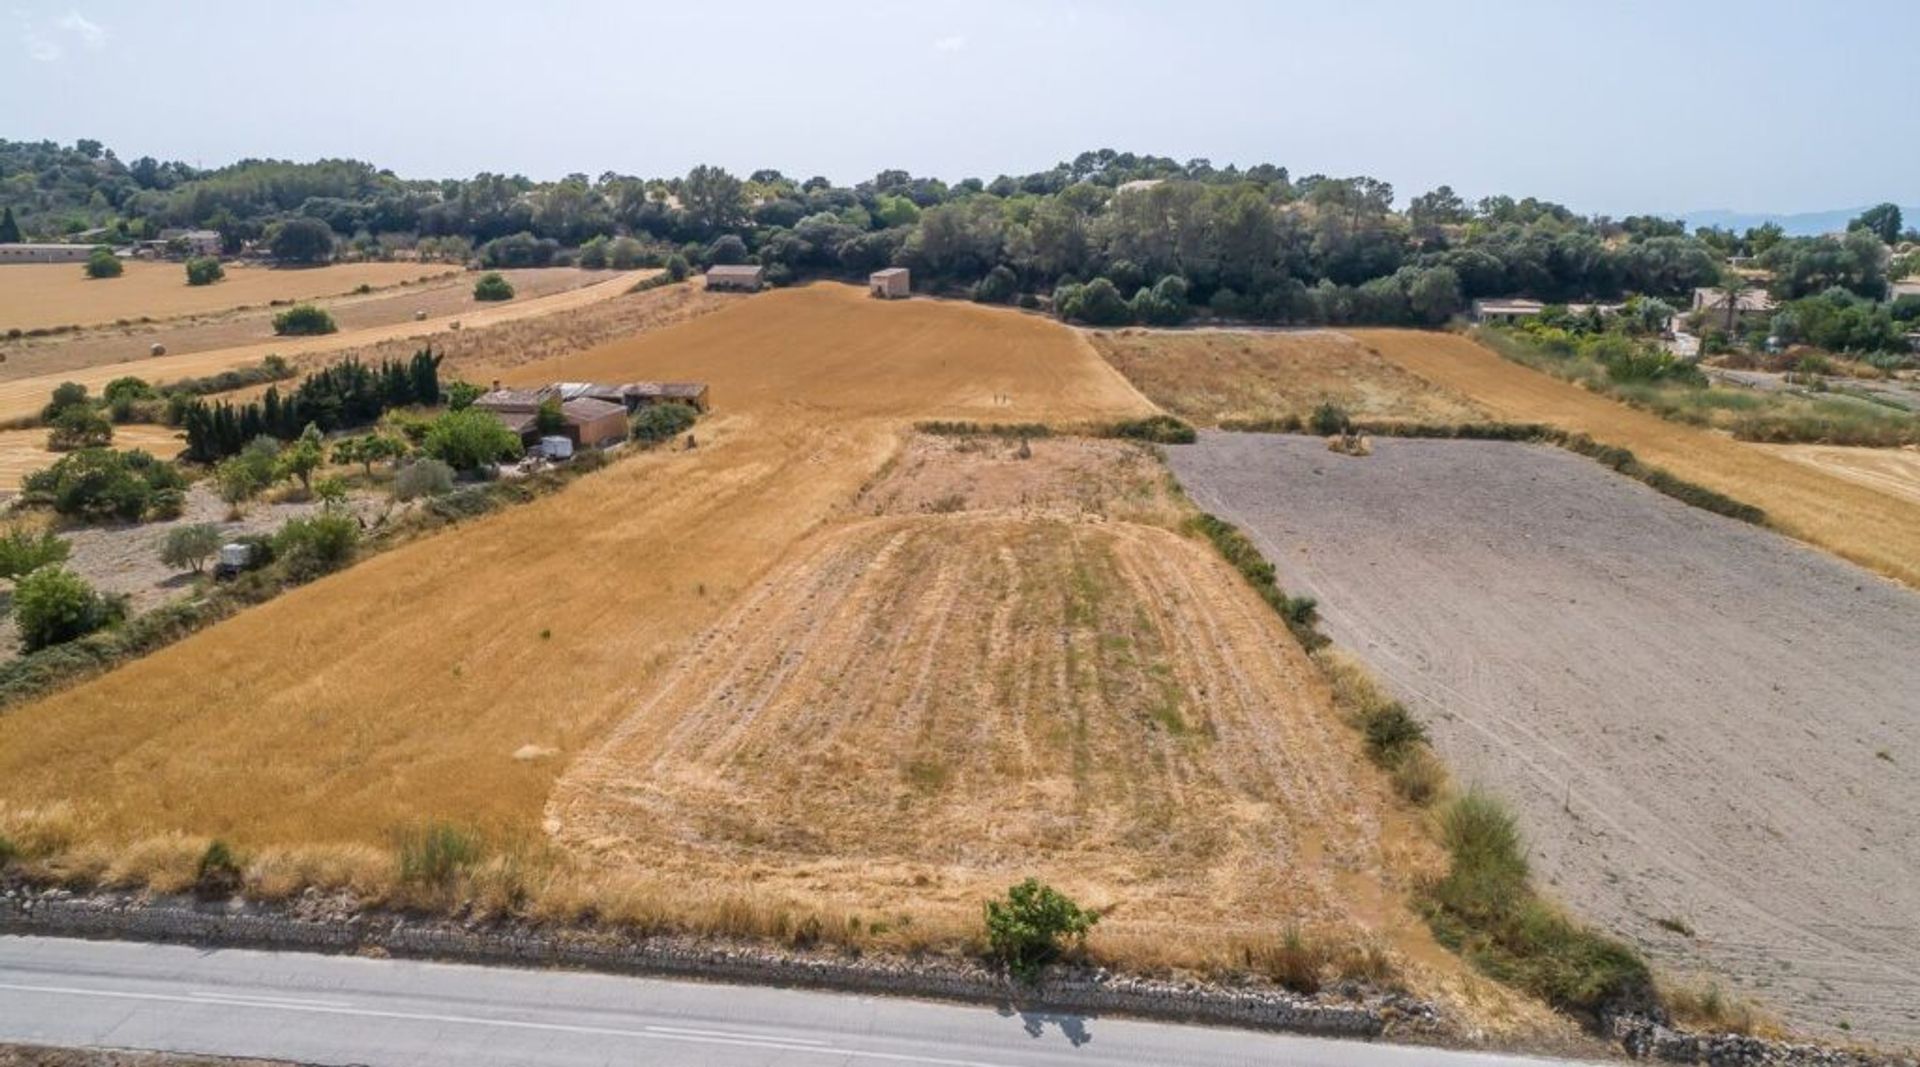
340	1010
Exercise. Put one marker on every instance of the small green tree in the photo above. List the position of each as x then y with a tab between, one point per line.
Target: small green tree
303	320
492	286
9	228
677	267
22	551
313	546
53	605
658	422
368	450
204	270
65	395
79	426
1030	928
425	476
102	263
548	418
331	492
471	439
190	546
301	458
998	287
462	394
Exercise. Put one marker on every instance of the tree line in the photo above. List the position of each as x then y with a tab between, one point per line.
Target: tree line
341	396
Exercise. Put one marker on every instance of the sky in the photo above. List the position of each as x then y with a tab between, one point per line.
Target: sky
1609	107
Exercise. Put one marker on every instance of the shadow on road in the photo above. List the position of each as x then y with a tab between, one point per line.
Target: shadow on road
1072	1027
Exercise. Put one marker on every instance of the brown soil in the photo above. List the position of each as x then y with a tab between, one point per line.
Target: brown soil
60	294
1211	376
448	295
43	1056
1873	528
1701	722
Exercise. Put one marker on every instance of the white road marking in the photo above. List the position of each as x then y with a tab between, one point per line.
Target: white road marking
266	1001
658	1033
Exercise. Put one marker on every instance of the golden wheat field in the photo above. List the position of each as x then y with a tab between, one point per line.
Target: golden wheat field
24	451
1872	527
1213	376
60	294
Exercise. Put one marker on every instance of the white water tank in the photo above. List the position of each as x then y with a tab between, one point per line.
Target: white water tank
556	447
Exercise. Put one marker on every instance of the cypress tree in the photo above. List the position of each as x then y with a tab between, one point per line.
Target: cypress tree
9	229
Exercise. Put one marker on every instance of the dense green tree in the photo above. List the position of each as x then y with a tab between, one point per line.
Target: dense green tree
1882	221
53	605
302	241
191	546
102	263
9	229
204	270
493	286
470	440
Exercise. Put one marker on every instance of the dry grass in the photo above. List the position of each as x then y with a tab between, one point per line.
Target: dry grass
1894	471
24	451
1875	529
1705	1007
399	692
60	294
1212	376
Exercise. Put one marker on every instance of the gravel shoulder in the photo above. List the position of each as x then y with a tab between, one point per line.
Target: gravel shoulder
1702	723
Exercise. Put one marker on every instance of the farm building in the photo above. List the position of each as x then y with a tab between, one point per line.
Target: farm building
593	423
894	283
744	278
594	414
636	395
1505	310
1746	303
44	253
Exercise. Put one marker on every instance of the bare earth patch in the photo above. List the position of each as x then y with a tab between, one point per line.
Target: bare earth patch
1211	376
1709	729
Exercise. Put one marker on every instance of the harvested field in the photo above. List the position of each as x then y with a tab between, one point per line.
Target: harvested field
1894	471
60	294
401	689
22	397
447	295
1210	376
24	451
1707	728
1876	529
912	713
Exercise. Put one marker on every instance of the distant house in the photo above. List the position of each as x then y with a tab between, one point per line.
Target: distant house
742	278
1747	303
894	283
44	253
593	414
202	242
1505	311
636	395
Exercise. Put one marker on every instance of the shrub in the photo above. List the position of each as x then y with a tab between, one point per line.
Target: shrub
1300	614
1329	419
302	320
470	439
102	263
436	854
492	286
65	395
677	267
100	485
368	450
302	241
423	477
53	605
22	551
79	426
659	422
1159	429
1029	929
310	547
1391	733
1485	908
1419	776
462	394
218	873
191	546
204	270
1096	303
129	396
998	287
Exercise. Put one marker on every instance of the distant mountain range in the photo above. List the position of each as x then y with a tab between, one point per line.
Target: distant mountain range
1804	224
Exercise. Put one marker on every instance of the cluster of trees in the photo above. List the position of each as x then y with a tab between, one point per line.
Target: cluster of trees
1839	320
102	485
1166	236
340	396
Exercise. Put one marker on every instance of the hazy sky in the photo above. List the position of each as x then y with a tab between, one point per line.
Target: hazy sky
1610	107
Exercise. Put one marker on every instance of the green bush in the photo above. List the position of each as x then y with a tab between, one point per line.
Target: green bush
79	426
1301	614
470	439
22	551
436	854
101	485
677	268
1329	419
1391	733
423	477
492	286
303	320
65	395
318	544
204	270
1030	928
218	874
659	422
53	605
102	263
1485	908
1159	429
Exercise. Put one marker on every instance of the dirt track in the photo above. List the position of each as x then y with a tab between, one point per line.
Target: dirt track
1701	721
1873	528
